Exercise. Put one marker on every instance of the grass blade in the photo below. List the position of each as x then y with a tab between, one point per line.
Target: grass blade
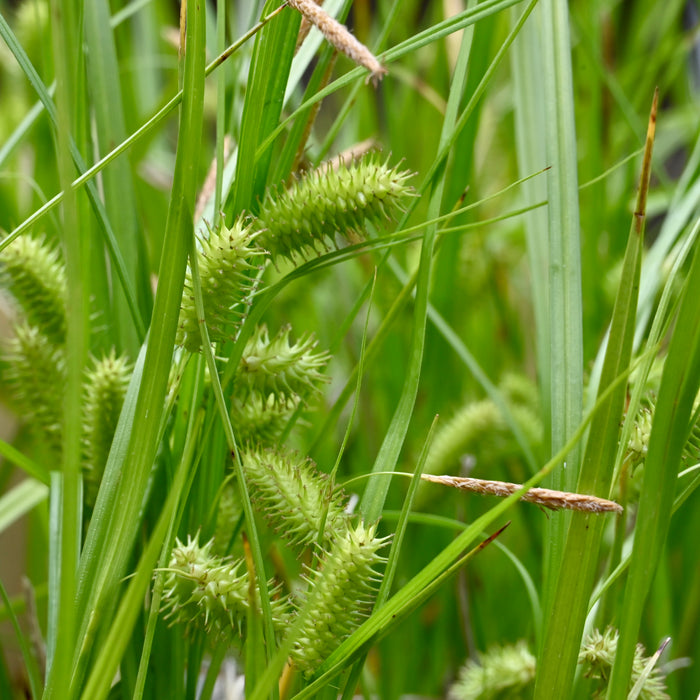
579	565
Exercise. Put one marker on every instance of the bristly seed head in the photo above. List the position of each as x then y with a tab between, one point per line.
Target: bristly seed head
277	367
340	595
36	276
304	219
36	375
209	592
105	387
293	495
225	267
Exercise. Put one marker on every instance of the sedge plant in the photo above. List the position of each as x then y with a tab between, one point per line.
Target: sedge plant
248	255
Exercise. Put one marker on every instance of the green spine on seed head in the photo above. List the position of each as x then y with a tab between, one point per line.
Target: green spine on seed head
34	273
279	368
36	375
211	593
340	595
304	219
105	387
225	267
293	495
597	657
502	671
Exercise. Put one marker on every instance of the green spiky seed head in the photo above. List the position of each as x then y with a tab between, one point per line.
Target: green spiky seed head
34	273
225	262
279	367
36	375
340	595
211	593
597	657
303	220
261	420
293	495
105	387
501	672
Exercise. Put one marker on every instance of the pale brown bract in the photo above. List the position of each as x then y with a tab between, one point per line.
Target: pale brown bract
339	36
554	500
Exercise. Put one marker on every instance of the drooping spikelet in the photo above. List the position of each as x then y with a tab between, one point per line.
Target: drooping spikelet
501	672
305	218
293	495
225	266
276	367
34	273
36	374
340	595
211	593
105	387
339	37
597	657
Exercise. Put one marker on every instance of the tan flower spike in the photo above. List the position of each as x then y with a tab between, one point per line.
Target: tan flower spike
554	500
338	35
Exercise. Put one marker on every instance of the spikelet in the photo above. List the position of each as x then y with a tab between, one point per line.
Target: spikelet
304	219
340	37
293	495
597	657
340	595
211	593
105	387
279	368
34	273
36	374
225	267
501	672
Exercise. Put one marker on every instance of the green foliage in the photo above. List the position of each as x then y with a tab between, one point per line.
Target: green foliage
164	403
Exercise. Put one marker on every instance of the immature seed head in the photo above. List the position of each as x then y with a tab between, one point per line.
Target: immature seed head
36	375
304	219
210	593
261	420
34	273
340	595
597	657
105	387
279	368
293	495
503	671
225	263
